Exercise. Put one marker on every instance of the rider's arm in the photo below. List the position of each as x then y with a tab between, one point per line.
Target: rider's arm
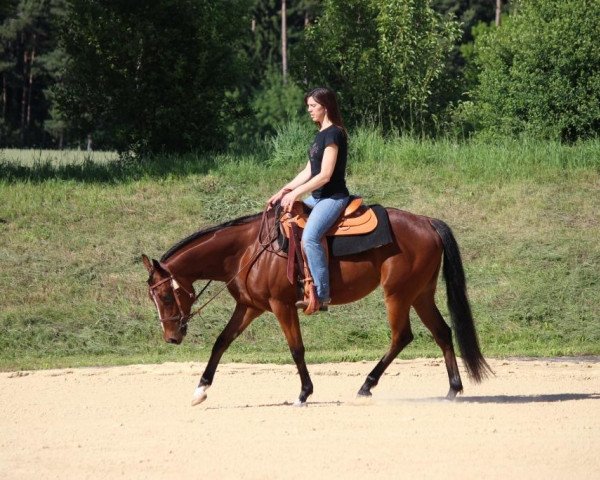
301	178
298	180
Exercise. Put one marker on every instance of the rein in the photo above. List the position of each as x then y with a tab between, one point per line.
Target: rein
184	319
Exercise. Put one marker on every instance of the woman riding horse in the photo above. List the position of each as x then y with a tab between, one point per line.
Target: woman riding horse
255	274
324	177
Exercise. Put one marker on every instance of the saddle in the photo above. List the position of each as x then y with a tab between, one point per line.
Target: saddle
357	219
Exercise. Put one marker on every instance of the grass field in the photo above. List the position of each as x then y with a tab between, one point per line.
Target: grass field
72	229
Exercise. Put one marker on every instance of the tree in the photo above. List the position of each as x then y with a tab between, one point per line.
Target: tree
384	58
540	71
265	100
459	76
152	76
468	12
28	39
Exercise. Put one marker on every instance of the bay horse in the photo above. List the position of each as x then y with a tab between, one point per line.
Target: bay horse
407	270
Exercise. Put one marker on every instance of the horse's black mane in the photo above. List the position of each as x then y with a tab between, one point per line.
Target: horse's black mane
200	233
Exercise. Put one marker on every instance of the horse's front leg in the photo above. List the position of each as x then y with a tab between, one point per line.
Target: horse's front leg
290	324
241	318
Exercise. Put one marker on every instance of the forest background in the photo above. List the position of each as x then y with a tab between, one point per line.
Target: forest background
188	113
183	75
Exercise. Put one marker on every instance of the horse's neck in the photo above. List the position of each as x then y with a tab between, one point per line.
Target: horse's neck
214	257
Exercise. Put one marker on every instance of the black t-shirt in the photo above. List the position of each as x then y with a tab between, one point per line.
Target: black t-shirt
337	183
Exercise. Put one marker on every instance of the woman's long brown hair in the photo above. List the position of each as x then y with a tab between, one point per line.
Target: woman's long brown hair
326	97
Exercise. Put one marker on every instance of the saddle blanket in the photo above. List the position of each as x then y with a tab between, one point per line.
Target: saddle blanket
352	244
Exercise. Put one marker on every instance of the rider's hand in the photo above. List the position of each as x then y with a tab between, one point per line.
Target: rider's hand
277	197
288	200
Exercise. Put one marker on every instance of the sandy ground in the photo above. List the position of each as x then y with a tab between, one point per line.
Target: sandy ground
535	419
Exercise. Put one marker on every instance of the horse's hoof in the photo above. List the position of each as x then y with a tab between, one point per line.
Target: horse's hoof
452	394
198	399
364	394
299	403
199	395
363	400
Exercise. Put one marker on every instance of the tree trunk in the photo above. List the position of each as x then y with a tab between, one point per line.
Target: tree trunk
284	40
498	11
31	59
24	95
4	96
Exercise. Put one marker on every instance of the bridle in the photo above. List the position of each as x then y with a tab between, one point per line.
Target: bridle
182	318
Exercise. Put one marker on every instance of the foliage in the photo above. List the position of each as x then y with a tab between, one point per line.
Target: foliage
277	103
151	75
262	102
540	72
181	75
264	45
384	58
460	75
468	12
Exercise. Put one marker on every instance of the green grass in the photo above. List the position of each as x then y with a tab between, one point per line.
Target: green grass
73	292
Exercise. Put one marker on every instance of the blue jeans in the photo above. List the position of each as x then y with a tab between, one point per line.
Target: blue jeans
325	211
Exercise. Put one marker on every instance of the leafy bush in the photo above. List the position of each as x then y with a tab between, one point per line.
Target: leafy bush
540	72
291	142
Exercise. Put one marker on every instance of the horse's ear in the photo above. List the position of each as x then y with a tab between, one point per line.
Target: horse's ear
147	263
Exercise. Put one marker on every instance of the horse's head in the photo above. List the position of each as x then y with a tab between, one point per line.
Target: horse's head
173	301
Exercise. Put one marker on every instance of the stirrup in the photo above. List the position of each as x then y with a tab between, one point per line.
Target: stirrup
323	307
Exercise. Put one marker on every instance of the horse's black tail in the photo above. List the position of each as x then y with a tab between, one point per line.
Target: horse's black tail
458	304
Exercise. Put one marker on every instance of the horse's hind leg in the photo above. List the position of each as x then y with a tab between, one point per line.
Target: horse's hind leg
398	318
442	334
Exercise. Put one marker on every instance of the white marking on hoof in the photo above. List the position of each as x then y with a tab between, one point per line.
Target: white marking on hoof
299	403
199	395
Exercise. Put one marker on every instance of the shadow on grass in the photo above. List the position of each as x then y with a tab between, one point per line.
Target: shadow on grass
88	171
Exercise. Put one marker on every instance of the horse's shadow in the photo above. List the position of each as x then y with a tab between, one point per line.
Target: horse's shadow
510	399
542	398
333	403
499	399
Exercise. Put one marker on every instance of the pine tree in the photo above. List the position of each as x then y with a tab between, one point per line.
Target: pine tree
29	42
